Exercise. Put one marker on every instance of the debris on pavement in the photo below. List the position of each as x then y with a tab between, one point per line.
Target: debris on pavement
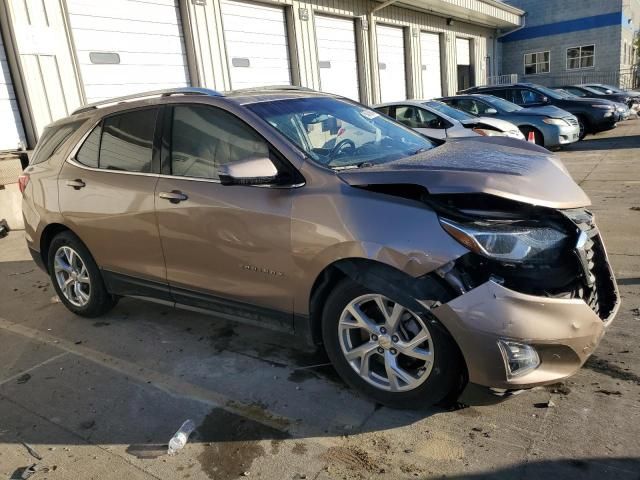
23	473
609	392
4	228
55	299
23	378
87	424
179	440
32	451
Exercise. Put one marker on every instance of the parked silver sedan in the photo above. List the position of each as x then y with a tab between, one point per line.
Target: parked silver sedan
438	120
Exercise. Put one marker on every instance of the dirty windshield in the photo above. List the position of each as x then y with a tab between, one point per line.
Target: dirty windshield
339	134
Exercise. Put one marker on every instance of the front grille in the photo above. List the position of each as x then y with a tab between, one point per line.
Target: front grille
573	121
598	288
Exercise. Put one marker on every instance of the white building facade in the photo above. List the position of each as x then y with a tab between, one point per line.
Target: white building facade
59	54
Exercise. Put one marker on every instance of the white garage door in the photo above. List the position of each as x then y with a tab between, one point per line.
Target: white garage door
11	133
463	56
393	82
256	41
337	56
430	55
128	46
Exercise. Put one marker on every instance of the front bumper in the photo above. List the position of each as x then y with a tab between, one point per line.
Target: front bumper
555	135
565	332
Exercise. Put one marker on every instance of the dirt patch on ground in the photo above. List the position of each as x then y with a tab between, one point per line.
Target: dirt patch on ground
232	443
611	369
354	458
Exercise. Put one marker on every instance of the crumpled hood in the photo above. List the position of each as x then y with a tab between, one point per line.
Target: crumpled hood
546	111
500	166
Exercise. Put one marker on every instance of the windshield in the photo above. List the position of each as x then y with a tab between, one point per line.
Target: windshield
548	92
502	104
564	94
604	88
340	134
449	111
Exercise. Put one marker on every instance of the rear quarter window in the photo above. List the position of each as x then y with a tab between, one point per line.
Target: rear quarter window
52	140
89	151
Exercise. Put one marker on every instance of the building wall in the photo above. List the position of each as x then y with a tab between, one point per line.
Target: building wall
48	63
557	29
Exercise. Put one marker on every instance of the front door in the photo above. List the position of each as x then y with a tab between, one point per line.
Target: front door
227	248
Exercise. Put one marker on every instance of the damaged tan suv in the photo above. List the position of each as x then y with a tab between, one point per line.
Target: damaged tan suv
423	269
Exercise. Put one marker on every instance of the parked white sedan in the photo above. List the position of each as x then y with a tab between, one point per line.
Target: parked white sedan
438	120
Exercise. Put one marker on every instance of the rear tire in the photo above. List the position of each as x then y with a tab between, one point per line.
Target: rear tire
381	361
76	277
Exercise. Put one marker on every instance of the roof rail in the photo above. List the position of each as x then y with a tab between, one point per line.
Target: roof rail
274	88
142	95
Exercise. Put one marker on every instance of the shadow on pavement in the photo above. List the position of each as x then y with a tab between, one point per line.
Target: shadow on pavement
593	143
586	468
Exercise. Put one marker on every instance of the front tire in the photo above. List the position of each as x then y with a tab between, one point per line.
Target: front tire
582	125
390	353
76	277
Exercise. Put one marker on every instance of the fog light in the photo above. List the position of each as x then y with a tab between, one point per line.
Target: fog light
518	358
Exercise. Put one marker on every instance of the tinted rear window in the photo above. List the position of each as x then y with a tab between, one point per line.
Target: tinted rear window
51	140
127	141
88	153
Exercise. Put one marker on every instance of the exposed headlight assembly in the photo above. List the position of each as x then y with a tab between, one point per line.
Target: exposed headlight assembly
511	243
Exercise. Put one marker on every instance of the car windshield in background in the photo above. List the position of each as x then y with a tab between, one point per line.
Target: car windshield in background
449	111
564	94
548	92
502	104
339	134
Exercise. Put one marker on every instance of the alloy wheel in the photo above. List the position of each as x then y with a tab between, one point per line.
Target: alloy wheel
72	276
387	344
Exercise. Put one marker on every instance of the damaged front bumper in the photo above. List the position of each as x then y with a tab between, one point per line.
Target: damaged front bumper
564	333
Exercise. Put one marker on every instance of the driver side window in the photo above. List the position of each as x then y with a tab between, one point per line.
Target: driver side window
204	138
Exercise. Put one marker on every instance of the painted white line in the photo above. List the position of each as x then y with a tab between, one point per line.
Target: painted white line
31	369
166	383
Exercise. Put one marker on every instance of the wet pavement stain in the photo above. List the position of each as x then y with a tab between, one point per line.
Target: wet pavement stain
233	443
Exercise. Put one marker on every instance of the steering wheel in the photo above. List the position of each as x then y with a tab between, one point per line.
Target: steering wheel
340	145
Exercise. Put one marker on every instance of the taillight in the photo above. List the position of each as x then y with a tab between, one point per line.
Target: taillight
23	181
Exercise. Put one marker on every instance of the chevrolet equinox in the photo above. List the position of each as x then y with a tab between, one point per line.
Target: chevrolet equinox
425	270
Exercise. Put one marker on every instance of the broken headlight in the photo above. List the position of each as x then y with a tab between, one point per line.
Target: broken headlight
505	242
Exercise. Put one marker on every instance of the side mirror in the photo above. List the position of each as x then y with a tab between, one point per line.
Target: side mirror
491	111
609	92
253	171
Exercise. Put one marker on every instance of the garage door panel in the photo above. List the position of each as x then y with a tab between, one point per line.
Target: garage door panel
140	27
11	132
147	37
125	10
431	65
391	63
256	33
337	54
96	41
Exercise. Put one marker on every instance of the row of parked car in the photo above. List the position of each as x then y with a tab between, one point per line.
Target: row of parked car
550	117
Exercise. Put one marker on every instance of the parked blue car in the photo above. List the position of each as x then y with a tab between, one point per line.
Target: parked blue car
551	126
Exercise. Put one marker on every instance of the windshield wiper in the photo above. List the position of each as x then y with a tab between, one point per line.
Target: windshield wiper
364	164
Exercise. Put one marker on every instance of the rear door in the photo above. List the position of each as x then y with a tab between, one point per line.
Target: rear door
227	248
107	195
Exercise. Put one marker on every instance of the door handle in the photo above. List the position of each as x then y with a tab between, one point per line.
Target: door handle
174	196
76	184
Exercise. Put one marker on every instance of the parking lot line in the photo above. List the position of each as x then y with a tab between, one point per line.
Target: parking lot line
30	369
165	383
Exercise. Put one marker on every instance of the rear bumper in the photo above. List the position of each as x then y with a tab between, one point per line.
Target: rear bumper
37	258
564	332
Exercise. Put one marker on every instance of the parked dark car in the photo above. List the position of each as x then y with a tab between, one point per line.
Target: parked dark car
585	91
603	87
593	114
550	125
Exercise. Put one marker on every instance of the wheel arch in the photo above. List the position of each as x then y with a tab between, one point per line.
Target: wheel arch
378	276
47	236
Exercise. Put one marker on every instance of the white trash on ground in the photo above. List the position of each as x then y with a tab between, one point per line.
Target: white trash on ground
179	440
